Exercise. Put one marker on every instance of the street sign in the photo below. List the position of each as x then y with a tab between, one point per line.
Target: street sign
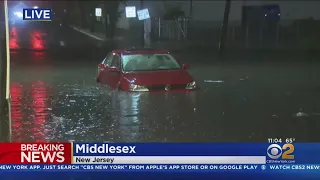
143	14
98	12
131	12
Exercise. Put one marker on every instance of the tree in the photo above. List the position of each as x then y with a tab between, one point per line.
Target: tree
111	16
91	6
173	13
172	10
75	14
83	13
86	13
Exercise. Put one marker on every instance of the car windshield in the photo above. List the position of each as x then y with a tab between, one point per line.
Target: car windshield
148	62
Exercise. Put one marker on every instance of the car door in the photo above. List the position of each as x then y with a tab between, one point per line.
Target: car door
115	75
103	71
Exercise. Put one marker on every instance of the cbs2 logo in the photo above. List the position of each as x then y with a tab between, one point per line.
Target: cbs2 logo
275	151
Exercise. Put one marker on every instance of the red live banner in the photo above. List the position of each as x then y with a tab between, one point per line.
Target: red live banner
35	153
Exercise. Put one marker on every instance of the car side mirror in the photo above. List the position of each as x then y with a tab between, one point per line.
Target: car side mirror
185	66
114	69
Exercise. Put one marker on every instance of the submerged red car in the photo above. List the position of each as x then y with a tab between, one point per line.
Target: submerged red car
136	70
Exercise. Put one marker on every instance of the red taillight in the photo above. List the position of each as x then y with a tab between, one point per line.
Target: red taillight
13	42
37	41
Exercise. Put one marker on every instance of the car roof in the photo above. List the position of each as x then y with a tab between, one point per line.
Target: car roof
140	51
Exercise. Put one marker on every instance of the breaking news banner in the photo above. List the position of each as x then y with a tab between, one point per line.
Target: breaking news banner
256	160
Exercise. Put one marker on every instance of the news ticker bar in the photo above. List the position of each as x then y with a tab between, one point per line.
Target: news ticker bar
165	167
233	153
169	160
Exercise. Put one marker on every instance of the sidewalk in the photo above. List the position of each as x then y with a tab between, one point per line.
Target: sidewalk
96	35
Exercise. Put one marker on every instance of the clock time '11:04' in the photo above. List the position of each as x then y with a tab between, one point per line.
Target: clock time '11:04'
274	140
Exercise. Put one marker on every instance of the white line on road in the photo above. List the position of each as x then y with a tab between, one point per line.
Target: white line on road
88	34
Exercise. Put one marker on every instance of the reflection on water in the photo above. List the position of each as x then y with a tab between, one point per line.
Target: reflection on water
29	112
37	41
39	107
16	112
78	114
39	55
129	116
38	60
92	114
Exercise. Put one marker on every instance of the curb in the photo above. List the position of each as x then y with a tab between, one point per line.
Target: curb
88	34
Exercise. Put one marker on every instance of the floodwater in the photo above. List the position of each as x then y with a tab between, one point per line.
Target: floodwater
55	98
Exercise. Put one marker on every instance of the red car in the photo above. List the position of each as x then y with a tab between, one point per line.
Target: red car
144	70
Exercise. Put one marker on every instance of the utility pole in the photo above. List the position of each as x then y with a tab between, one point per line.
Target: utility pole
142	25
224	29
5	116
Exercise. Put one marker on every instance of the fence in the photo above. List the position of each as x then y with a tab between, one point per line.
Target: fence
283	34
170	29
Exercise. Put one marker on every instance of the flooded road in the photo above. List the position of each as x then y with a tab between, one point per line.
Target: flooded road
55	98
